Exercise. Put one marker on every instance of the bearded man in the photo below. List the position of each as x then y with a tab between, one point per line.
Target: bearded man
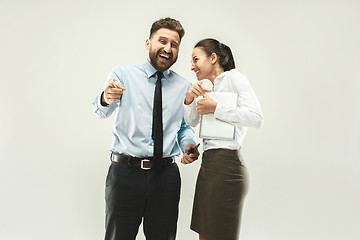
143	181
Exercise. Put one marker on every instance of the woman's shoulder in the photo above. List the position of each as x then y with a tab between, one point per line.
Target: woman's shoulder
236	74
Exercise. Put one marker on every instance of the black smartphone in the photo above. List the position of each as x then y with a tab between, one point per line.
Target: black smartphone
193	150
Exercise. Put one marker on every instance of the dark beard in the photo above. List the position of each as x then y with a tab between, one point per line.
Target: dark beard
158	65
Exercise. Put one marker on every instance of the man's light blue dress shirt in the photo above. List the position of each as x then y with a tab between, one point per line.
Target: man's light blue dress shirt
132	127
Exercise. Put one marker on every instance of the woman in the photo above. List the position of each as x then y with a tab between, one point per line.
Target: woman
222	182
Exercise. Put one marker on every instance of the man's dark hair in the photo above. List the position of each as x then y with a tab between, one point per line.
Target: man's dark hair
168	23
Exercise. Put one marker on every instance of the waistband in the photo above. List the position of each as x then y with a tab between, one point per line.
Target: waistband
143	163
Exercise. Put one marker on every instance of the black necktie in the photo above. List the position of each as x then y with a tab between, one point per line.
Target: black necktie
157	130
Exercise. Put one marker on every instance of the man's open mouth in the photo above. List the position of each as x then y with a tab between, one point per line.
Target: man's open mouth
166	57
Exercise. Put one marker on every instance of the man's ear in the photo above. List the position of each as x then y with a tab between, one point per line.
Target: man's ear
147	44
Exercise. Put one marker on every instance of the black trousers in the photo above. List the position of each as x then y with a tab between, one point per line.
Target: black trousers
134	195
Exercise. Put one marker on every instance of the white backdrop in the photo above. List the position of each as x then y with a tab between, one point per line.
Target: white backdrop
301	57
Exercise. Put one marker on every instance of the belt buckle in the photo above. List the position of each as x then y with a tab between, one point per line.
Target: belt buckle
142	164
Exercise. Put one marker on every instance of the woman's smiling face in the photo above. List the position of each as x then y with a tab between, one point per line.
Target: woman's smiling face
201	64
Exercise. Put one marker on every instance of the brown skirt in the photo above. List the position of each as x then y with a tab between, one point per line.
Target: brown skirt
221	187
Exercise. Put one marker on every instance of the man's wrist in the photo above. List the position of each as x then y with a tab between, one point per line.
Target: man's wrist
102	100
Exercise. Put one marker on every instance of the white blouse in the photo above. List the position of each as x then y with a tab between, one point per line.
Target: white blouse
247	113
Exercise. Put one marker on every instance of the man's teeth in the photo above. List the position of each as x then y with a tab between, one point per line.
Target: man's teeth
164	56
197	72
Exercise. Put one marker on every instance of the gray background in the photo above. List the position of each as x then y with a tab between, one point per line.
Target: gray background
302	59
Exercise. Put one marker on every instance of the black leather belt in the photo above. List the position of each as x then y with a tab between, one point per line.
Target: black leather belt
143	163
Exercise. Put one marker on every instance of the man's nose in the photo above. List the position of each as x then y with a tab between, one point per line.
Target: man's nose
167	48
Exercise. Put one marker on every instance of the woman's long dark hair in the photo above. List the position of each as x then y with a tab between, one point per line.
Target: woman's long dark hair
224	53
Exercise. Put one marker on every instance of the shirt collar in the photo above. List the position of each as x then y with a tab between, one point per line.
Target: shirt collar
151	71
219	79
